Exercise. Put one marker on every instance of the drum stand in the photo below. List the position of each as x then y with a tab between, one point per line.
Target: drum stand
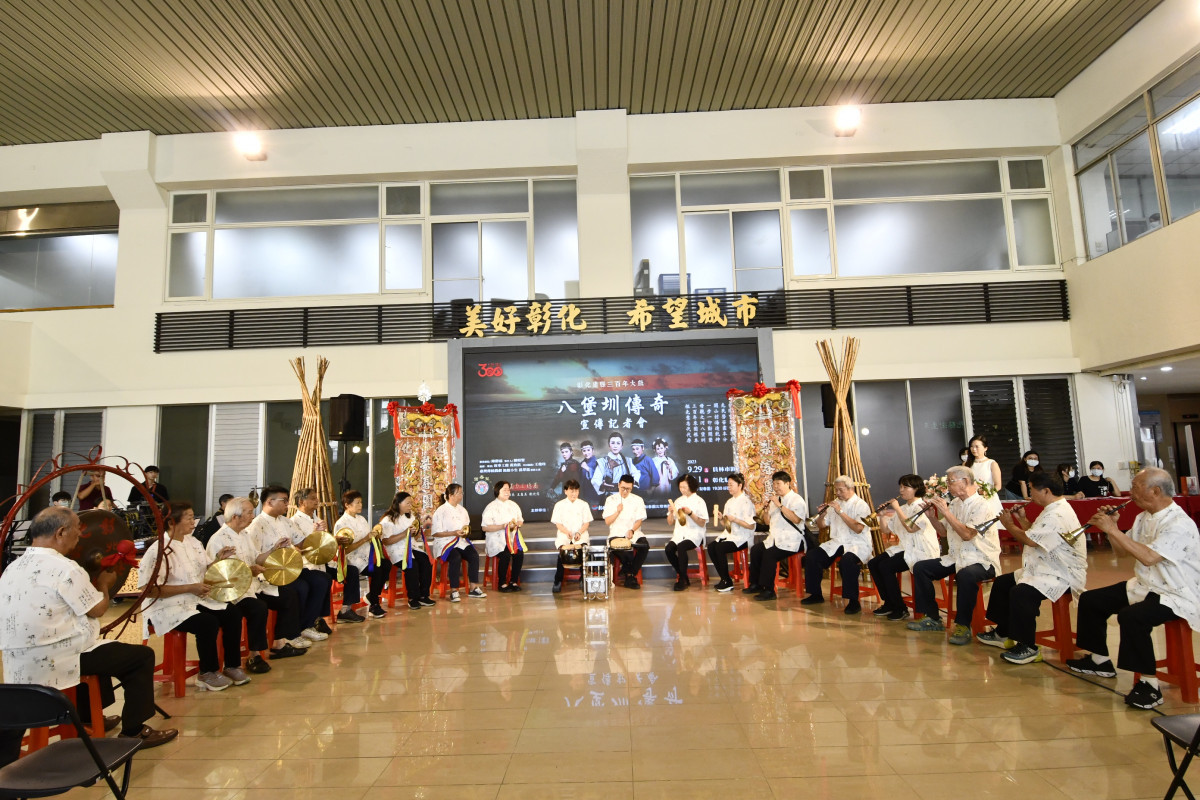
595	572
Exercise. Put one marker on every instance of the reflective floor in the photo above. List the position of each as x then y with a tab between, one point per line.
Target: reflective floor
656	694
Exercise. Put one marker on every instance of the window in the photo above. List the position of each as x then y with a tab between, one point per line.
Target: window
183	455
67	271
73	433
1179	142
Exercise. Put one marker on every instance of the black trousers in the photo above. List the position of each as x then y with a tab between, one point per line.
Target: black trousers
314	586
815	562
1136	621
254	611
764	564
419	577
286	606
1014	608
885	571
968	579
377	579
351	590
457	557
503	559
206	623
677	555
633	558
718	554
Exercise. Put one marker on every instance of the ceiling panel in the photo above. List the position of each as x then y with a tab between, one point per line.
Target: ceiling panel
75	69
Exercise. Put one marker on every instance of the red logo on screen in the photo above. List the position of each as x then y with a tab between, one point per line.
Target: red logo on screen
490	370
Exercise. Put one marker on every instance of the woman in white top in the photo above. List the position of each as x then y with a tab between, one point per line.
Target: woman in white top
451	527
688	535
986	471
358	561
739	511
571	517
179	601
405	548
918	542
505	548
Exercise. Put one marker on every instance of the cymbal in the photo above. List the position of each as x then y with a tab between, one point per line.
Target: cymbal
227	579
344	536
318	548
282	566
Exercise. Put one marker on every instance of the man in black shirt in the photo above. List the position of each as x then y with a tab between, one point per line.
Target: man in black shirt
156	489
1095	484
206	529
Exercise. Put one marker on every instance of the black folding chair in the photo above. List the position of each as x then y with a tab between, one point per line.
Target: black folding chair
1183	730
62	765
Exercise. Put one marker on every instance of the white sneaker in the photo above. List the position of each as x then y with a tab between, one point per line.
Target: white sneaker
213	681
314	635
454	598
476	592
300	642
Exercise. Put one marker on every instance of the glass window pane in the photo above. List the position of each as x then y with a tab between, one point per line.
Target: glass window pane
729	188
759	280
555	240
817	442
1051	421
1026	174
446	291
994	415
709	252
456	250
403	262
58	271
1137	197
883	438
505	261
1099	213
756	240
402	200
806	184
1177	87
810	242
298	205
1116	129
183	443
910	238
189	208
1031	227
291	261
911	180
186	272
655	229
41	450
937	416
483	197
1179	144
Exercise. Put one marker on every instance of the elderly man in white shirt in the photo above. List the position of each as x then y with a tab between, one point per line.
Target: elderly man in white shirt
1165	586
624	513
49	630
571	517
973	558
785	538
1050	567
315	608
849	540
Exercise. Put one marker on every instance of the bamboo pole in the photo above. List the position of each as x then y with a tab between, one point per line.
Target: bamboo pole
312	469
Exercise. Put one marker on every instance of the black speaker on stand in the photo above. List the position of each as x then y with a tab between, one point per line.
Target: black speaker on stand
829	404
347	423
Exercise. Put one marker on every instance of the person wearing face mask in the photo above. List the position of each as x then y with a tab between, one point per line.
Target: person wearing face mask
1018	484
60	500
1094	484
1070	481
964	455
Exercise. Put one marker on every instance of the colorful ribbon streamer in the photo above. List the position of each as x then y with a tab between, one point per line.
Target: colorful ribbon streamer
445	556
340	561
515	539
408	551
375	556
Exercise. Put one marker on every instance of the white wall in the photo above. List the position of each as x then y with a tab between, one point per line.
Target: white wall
1106	413
130	432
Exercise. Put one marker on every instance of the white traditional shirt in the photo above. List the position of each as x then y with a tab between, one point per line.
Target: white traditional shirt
842	535
244	550
184	562
571	514
303	526
449	518
1175	579
499	512
1054	566
740	507
264	531
44	626
693	529
920	545
361	526
784	534
397	552
633	508
983	548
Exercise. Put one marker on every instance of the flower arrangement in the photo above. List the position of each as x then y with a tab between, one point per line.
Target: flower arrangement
986	490
935	485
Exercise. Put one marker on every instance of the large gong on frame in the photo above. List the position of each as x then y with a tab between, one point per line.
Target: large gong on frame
100	536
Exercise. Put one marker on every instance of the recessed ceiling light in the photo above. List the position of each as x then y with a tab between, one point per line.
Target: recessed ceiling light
1167	368
1143	378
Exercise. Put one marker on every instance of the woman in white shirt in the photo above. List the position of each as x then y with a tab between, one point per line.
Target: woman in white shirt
358	561
406	549
451	528
739	511
504	547
571	516
918	542
689	534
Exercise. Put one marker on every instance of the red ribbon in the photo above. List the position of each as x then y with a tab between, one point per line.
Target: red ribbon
760	391
428	409
126	554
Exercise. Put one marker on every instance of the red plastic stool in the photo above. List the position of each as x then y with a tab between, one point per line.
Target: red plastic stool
441	577
175	668
700	569
795	578
865	590
1180	662
943	603
978	617
1059	637
740	571
395	580
37	738
618	570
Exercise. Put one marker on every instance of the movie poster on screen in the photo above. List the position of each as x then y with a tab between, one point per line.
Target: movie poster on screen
538	418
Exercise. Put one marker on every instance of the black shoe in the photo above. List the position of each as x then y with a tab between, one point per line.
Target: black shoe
680	585
725	586
350	615
287	651
557	587
376	612
256	665
766	594
427	601
414	605
1085	666
514	587
1143	695
505	589
631	582
899	614
853	607
753	588
812	600
882	611
323	626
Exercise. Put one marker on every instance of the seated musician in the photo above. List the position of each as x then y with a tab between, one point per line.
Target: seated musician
238	538
571	517
739	513
406	549
316	607
624	513
178	600
451	526
1165	586
294	605
785	537
849	539
689	534
157	491
1050	567
60	500
499	514
94	494
50	631
973	558
917	542
361	558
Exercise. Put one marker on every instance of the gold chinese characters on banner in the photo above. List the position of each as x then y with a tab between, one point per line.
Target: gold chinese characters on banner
540	318
424	454
764	436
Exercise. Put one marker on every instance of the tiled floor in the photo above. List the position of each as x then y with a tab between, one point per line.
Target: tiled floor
655	694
